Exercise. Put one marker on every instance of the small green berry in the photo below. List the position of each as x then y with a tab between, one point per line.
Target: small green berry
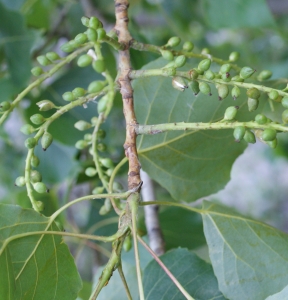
94	23
209	75
43	60
102	103
261	119
82	125
37	119
205	51
225	69
85	21
168	55
188	46
226	77
264	75
179	83
101	134
180	61
98	190
67	47
237	78
239	133
285	116
40	205
99	65
68	96
230	113
204	64
84	60
45	105
273	95
107	162
37	71
81	144
27	129
35	161
103	211
35	176
108	204
4	106
272	144
40	187
88	137
96	86
52	56
253	93
252	104
81	38
246	72
249	137
195	87
46	140
127	244
20	181
101	147
284	102
193	74
30	143
78	92
235	92
92	34
173	41
90	172
101	33
234	56
94	121
223	91
205	88
268	134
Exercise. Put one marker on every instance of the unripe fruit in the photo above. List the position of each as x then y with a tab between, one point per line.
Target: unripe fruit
92	34
117	187
180	61
108	204
252	104
94	121
230	113
90	172
96	86
82	125
168	55
94	23
35	176
40	205
103	211
284	102
101	147
45	105
46	140
20	181
268	134
173	41
264	75
68	96
127	244
235	92
261	119
98	190
81	144
188	46
30	143
81	38
285	116
27	129
85	21
35	161
253	93
102	103
37	71
4	106
195	87
107	162
43	60
209	75
101	134
239	133
225	68
200	72
109	172
179	83
67	47
88	137
101	33
40	187
99	65
237	78
223	91
249	137
205	51
205	88
246	72
193	74
226	77
272	144
84	60
37	119
204	64
273	95
78	92
234	56
52	56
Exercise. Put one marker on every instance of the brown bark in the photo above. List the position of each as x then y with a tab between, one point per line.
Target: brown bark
124	37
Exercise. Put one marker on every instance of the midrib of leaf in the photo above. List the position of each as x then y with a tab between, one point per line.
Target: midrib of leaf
56	262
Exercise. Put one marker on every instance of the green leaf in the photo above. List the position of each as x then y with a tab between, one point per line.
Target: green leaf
279	296
237	14
36	266
249	258
195	275
189	164
17	40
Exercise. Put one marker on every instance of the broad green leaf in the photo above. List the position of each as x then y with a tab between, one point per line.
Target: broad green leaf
17	41
279	296
249	258
34	267
237	14
194	274
189	164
